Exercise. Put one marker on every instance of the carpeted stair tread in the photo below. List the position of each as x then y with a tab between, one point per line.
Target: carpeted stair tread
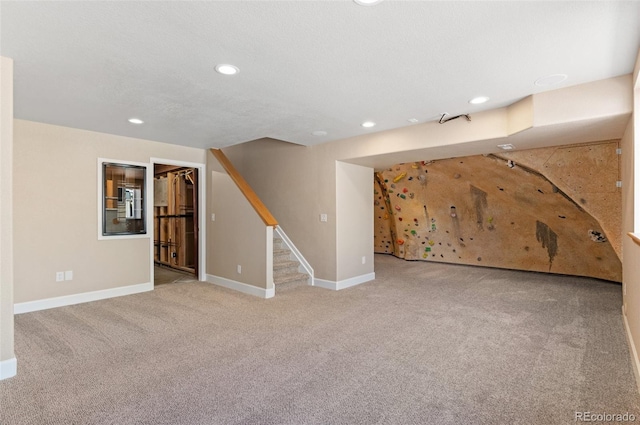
290	278
285	264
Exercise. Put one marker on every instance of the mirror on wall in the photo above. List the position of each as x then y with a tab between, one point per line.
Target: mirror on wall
124	199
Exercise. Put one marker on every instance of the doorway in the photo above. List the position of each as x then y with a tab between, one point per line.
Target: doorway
176	222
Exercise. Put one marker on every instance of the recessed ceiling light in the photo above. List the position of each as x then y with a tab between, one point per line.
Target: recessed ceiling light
550	80
507	147
136	121
478	100
227	69
368	124
413	120
319	133
367	2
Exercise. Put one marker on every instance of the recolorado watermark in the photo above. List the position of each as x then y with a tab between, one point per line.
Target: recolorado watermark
604	417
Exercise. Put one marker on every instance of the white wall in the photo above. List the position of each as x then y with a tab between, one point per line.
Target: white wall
7	356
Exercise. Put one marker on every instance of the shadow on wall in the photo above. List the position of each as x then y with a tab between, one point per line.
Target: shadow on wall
493	211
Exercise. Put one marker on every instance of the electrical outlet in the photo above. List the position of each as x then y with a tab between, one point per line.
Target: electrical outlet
364	259
323	218
213	216
59	276
239	269
68	275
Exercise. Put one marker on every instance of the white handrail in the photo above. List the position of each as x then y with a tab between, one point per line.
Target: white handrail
303	262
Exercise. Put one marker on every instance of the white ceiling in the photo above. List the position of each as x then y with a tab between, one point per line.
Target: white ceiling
304	65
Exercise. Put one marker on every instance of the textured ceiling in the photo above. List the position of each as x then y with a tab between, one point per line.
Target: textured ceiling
304	65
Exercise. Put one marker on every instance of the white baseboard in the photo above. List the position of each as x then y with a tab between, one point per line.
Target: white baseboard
8	368
241	287
634	353
84	297
343	284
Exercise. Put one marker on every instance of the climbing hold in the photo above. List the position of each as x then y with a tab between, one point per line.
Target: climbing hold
424	255
390	191
386	216
453	212
597	236
397	207
413	232
456	176
399	218
510	164
415	219
393	186
414	165
399	177
431	243
410	178
411	195
403	196
405	190
400	241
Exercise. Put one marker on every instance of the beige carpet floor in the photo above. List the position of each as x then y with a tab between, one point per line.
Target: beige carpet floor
424	343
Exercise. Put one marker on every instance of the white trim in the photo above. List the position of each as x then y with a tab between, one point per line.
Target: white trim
84	297
241	287
202	211
635	361
269	234
346	283
148	190
303	261
8	368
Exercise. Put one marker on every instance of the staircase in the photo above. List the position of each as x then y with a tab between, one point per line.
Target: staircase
285	269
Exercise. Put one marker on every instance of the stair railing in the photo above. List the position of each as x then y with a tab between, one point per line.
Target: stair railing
246	190
296	252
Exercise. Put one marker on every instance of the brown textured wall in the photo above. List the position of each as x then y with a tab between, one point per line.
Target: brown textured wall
487	211
587	174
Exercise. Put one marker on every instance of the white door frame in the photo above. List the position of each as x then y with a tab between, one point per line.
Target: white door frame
202	275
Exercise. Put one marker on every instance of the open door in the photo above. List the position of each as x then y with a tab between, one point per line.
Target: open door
176	229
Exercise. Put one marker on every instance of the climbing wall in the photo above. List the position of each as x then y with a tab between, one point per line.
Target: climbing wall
382	235
587	174
489	211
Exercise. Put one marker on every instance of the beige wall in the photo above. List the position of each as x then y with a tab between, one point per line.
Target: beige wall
237	236
55	206
6	225
630	249
296	184
354	220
